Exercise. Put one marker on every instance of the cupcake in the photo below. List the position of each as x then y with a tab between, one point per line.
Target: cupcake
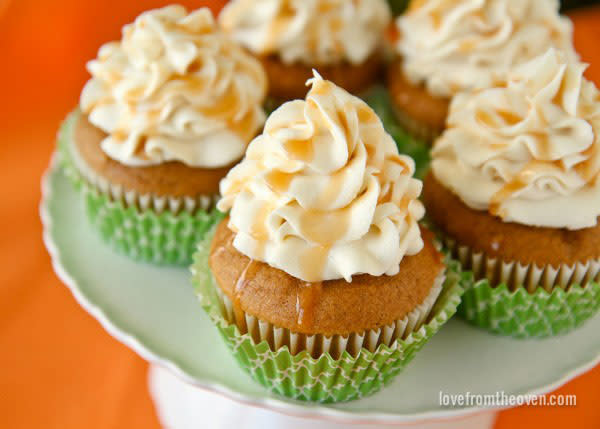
340	38
448	47
514	189
321	280
170	108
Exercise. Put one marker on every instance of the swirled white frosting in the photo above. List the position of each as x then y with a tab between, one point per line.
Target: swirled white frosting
456	45
175	89
314	32
323	193
528	151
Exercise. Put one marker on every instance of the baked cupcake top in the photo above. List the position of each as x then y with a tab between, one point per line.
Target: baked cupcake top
174	88
527	150
314	32
322	193
451	46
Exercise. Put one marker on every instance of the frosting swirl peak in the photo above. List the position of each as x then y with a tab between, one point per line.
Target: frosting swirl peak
323	193
527	150
457	45
314	32
175	89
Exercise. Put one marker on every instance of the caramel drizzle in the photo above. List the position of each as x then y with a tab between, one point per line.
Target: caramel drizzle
301	150
490	121
279	24
307	299
225	108
588	170
515	185
307	296
278	180
314	259
322	228
436	15
245	277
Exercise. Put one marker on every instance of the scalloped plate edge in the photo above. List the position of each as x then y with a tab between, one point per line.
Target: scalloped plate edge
280	406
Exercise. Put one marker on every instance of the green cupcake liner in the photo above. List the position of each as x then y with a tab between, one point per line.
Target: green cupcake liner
144	235
322	379
518	311
521	314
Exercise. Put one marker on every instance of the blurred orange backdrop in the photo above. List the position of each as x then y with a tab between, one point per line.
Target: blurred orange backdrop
58	368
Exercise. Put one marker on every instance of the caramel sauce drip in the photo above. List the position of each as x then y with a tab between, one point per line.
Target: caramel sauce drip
366	115
321	88
589	169
506	191
487	119
279	24
415	5
120	135
243	280
307	299
436	18
335	24
467	46
543	141
334	187
245	128
113	77
307	296
479	14
346	128
301	150
279	181
224	108
558	97
508	117
258	229
324	227
314	259
135	94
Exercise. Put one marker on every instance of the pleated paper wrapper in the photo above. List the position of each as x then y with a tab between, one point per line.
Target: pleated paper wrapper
319	368
524	300
149	228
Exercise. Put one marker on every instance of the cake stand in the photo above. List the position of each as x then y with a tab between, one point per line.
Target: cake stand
195	382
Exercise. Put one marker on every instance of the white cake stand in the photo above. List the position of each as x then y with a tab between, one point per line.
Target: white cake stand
195	382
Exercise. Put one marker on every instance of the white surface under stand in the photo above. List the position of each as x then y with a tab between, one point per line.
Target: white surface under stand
180	405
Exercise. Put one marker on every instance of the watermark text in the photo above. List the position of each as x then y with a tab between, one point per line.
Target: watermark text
502	399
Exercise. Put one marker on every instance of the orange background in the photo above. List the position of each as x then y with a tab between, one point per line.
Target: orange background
58	368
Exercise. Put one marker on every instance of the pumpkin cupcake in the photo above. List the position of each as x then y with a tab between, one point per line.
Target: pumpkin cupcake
514	188
339	38
170	108
321	280
446	47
